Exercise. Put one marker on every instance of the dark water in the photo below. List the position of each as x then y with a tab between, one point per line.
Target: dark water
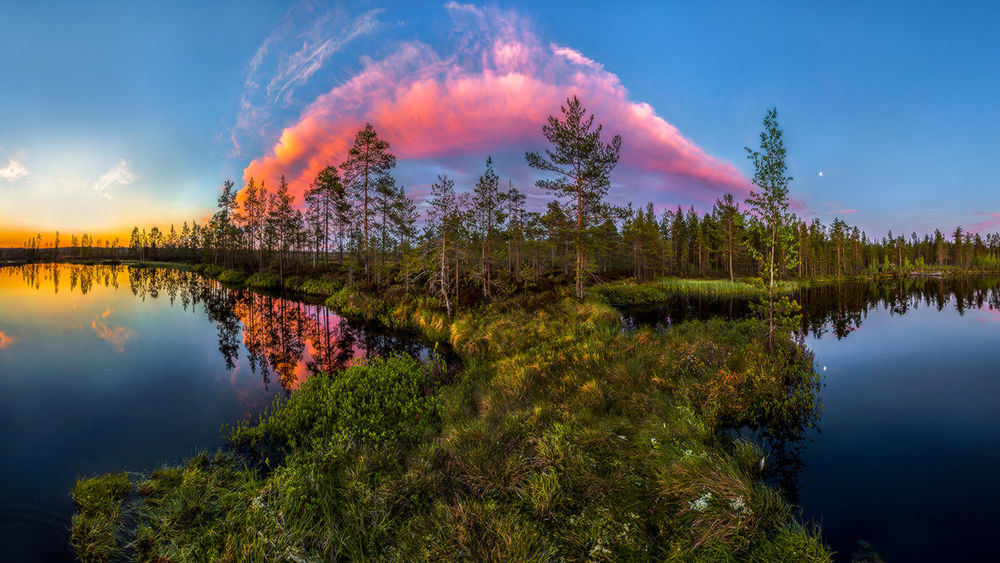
104	368
906	452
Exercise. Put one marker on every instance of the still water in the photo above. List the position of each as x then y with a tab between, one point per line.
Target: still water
905	453
104	368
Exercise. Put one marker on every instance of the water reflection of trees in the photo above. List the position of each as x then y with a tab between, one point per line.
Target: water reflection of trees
841	309
282	338
838	309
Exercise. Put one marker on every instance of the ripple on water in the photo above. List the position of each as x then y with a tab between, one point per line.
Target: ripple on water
33	528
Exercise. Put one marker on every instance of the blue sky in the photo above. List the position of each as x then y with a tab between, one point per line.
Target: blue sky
119	112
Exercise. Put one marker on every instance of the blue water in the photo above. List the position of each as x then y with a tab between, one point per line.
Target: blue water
908	447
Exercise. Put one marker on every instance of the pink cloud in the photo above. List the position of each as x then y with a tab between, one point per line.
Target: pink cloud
837	210
990	223
492	96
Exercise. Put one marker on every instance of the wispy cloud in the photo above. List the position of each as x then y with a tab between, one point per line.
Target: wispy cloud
836	209
14	170
297	48
295	68
987	222
120	175
490	93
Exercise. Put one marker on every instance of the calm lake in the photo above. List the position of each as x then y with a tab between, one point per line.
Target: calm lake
104	368
906	449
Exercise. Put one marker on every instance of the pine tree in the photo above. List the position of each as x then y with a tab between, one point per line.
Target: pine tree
326	201
281	219
515	227
583	165
385	208
488	214
406	229
223	220
728	224
367	160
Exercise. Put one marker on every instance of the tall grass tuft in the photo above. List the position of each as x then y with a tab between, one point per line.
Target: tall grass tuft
662	289
95	532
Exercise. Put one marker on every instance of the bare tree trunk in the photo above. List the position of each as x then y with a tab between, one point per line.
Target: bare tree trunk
731	278
444	274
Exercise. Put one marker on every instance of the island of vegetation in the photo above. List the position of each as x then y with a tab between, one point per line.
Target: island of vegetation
550	433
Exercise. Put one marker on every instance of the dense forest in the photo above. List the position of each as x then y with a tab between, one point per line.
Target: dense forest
483	242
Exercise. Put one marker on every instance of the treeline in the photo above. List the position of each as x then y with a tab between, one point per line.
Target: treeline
482	243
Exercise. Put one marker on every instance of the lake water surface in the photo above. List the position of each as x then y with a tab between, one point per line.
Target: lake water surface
906	451
104	368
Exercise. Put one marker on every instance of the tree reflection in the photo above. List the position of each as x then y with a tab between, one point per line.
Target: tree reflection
282	338
837	309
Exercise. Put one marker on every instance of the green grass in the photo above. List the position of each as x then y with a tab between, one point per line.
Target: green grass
155	264
648	293
98	518
560	438
262	280
321	286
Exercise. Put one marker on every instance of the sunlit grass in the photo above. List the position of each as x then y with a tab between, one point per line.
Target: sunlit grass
662	289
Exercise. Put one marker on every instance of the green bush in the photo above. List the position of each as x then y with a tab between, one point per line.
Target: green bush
262	280
232	277
378	402
314	286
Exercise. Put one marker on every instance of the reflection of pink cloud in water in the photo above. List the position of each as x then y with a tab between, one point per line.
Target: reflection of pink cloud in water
6	340
115	336
991	315
301	371
491	96
246	386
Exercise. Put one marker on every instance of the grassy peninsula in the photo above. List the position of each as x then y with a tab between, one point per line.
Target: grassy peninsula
560	436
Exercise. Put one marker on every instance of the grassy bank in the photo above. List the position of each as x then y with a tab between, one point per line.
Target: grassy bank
310	285
648	293
561	438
